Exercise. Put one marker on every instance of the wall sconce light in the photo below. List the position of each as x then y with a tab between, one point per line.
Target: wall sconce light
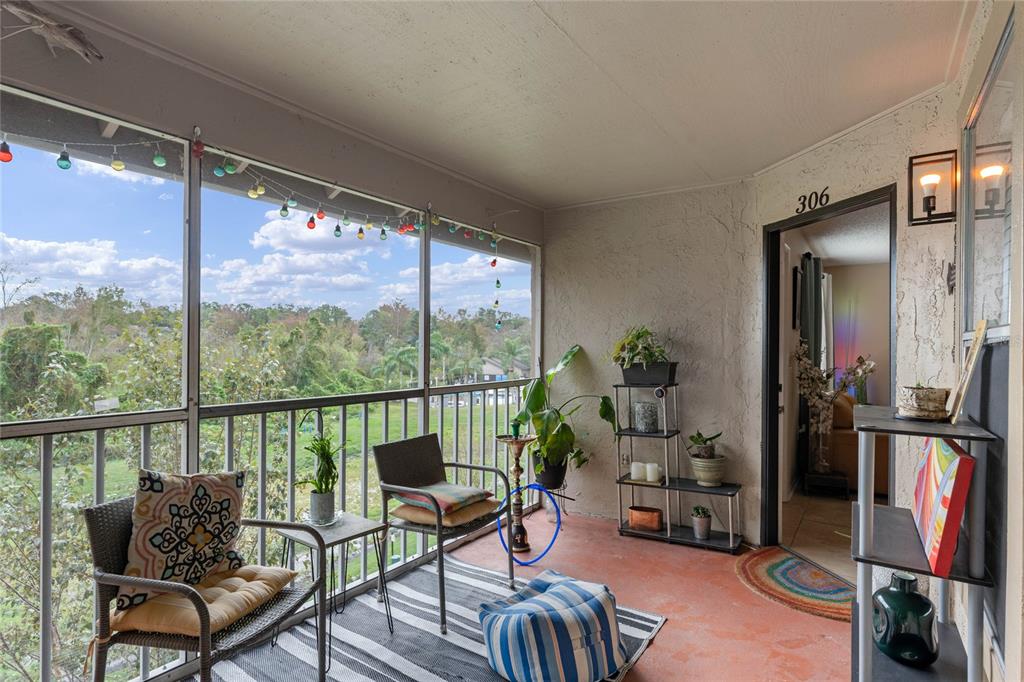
993	164
931	193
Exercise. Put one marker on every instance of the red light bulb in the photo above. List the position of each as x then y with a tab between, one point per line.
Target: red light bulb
5	153
311	224
320	214
494	262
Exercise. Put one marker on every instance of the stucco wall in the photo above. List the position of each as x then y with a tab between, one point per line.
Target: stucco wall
688	265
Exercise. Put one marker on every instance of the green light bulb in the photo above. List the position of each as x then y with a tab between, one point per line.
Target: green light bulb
284	210
64	161
230	167
337	230
383	234
159	160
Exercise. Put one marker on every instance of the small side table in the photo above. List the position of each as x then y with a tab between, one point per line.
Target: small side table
347	528
515	445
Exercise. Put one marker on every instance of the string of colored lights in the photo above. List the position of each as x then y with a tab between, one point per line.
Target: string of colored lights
64	158
261	184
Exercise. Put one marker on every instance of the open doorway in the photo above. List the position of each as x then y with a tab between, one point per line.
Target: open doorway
829	345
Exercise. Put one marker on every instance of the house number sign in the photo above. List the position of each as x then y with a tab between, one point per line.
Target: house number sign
812	200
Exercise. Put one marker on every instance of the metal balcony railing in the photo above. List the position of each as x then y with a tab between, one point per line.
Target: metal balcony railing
264	438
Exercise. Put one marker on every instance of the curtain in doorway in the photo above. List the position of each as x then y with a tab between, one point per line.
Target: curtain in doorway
812	321
827	359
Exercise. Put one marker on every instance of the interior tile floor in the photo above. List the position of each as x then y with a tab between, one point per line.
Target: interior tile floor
717	630
818	528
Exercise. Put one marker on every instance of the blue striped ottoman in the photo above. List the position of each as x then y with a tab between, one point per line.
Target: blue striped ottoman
555	629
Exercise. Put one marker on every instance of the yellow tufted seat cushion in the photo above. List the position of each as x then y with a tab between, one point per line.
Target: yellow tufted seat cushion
425	517
229	595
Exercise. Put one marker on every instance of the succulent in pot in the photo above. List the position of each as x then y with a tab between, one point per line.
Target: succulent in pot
324	481
701	518
643	359
555	447
708	466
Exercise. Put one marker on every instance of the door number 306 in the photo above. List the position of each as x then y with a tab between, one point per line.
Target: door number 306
809	202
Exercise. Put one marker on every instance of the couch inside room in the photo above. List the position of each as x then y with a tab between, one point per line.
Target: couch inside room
844	447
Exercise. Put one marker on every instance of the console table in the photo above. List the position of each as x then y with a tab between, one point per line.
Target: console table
894	543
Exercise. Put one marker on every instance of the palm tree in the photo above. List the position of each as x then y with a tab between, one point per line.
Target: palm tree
439	351
513	350
398	360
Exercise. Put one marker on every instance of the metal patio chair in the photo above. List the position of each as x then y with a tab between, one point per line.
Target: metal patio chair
110	532
406	466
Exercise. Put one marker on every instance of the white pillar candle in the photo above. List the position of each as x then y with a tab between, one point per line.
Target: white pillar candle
636	471
654	472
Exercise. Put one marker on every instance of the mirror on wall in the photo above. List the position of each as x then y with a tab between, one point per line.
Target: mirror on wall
988	180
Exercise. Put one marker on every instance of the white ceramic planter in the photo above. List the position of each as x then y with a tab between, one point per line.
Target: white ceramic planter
708	472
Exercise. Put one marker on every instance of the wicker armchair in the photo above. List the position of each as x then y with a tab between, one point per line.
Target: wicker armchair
110	532
406	466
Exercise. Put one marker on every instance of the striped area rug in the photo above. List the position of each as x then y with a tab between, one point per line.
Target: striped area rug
787	579
363	650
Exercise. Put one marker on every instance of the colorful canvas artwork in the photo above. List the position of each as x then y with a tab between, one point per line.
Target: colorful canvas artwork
940	495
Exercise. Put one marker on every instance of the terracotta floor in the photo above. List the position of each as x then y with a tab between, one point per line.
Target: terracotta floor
819	529
717	629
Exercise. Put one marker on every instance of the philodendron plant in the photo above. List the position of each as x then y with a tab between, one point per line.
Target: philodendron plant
556	440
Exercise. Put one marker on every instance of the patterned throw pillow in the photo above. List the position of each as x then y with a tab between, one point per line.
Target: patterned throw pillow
183	529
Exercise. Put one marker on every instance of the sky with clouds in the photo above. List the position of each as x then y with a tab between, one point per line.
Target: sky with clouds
93	226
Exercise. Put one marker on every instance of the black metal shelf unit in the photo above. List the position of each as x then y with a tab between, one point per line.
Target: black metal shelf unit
675	533
892	541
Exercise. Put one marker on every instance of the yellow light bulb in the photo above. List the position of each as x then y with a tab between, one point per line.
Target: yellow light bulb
260	189
929	183
991	171
253	194
117	164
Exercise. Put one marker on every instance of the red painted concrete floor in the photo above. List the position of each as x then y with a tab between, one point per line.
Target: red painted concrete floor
717	629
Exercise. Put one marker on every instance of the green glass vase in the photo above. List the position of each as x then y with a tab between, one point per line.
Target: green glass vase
904	627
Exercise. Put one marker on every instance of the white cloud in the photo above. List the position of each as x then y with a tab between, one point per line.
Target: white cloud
291	235
146	231
83	167
165	196
94	263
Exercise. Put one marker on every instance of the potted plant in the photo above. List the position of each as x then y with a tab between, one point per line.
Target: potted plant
643	359
701	517
324	481
555	446
708	467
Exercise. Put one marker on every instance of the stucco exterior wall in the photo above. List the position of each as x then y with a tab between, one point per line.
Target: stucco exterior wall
688	265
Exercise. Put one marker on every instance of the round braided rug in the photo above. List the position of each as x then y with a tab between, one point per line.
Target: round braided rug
787	579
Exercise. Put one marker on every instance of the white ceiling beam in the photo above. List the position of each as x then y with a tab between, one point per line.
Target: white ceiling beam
332	192
107	129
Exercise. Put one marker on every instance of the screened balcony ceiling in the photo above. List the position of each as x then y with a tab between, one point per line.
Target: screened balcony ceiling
565	103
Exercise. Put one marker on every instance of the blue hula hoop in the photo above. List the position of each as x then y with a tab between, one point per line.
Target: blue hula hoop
558	523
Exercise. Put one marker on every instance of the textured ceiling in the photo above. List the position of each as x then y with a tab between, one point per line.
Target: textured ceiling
565	103
857	238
